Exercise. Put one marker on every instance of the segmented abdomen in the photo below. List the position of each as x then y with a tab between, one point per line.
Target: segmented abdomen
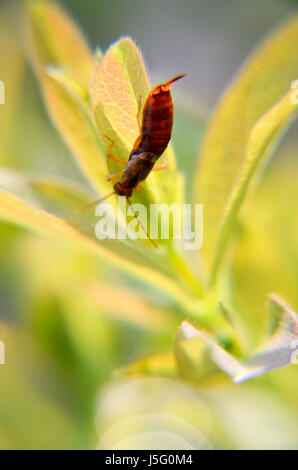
157	124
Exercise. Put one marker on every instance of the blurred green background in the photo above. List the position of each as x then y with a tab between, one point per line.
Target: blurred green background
61	344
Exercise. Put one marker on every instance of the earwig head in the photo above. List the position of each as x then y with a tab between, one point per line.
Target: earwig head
164	87
122	190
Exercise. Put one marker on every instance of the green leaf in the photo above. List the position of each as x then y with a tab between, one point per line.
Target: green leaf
262	82
68	107
279	350
132	258
55	39
196	351
262	140
64	200
65	85
12	70
119	83
53	194
265	257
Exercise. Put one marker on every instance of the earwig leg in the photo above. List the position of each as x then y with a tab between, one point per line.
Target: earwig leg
116	159
139	188
162	166
113	176
109	152
139	112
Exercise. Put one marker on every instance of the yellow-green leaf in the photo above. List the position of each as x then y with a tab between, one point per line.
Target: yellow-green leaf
146	266
66	88
261	83
56	40
278	351
67	106
119	83
53	194
262	139
12	68
265	257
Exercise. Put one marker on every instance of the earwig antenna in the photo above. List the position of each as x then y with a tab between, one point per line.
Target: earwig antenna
140	223
80	210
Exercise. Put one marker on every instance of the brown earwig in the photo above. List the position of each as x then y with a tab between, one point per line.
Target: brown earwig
155	134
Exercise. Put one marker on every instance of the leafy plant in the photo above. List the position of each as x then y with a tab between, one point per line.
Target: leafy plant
89	96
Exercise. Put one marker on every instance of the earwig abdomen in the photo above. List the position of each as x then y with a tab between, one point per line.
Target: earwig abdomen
157	123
